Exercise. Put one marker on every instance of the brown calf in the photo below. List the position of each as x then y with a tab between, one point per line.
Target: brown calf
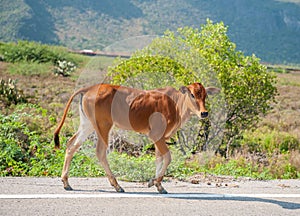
158	113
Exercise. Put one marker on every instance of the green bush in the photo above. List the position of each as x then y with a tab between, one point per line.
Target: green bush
10	94
269	141
64	68
26	51
257	166
14	145
26	147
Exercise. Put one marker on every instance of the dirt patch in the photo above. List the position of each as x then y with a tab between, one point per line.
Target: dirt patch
3	66
217	181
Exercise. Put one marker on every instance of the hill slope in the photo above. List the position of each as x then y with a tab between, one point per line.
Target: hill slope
269	28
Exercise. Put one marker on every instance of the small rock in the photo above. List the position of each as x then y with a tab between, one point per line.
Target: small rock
284	186
195	181
234	186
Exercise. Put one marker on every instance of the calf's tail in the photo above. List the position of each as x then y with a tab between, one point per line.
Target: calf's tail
57	130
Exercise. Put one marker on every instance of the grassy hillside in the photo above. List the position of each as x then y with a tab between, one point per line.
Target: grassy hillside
269	28
11	15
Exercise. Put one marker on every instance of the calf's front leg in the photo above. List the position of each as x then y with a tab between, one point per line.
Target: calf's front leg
162	163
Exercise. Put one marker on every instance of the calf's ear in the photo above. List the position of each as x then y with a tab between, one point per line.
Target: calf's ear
212	90
184	89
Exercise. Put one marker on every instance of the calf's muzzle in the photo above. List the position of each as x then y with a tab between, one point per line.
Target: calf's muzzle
204	114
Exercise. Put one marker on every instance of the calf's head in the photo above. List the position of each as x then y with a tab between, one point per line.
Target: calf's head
195	98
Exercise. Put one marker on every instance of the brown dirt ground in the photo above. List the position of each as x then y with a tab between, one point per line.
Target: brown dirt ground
49	91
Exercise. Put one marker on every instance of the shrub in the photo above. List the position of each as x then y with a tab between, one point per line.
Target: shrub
26	51
32	52
64	68
280	167
10	94
26	148
269	141
14	156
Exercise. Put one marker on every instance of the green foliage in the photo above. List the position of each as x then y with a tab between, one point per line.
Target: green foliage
156	71
266	141
247	87
30	68
14	146
178	167
131	168
142	168
257	166
10	94
28	52
240	167
26	148
20	141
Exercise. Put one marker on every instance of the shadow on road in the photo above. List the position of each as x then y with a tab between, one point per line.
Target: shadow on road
206	196
283	204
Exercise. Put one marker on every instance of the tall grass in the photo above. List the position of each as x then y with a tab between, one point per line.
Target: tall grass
30	68
32	58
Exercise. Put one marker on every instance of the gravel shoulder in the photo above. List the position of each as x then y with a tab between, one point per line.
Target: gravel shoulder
197	184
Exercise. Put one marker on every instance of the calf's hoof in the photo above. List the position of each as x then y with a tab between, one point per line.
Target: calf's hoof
68	188
162	191
120	190
66	185
151	183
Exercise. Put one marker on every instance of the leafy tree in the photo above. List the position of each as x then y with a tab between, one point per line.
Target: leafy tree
207	55
156	71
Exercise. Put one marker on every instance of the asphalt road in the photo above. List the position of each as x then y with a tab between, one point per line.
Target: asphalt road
94	196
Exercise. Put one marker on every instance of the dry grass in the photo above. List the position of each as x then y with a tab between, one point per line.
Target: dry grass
50	91
285	116
295	159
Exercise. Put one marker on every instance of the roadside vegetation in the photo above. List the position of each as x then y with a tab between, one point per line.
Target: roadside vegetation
264	145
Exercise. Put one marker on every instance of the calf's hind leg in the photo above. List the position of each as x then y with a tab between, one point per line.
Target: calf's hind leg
101	148
73	145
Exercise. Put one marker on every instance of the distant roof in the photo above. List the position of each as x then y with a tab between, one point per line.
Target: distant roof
86	51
